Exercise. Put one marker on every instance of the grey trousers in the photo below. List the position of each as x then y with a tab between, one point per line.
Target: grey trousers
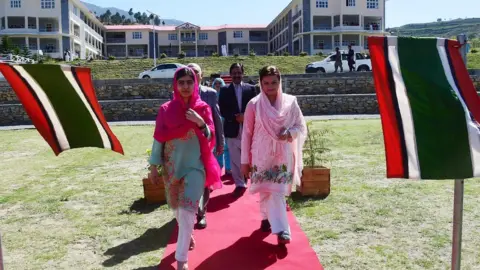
234	147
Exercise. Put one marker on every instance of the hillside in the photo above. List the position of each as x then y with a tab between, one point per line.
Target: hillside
100	10
447	29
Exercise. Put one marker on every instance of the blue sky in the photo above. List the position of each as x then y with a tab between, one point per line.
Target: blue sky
217	12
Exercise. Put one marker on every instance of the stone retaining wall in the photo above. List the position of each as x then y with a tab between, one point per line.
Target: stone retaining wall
146	109
130	100
302	84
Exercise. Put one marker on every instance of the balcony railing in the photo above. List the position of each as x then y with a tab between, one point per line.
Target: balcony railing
324	47
48	29
297	15
322	27
256	38
188	39
116	40
117	54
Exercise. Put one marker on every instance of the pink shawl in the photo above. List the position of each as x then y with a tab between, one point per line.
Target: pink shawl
172	124
284	114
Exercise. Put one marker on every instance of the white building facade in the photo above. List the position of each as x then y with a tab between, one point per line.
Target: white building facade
314	26
311	26
135	41
52	26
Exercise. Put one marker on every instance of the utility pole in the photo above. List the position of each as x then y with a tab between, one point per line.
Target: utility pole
154	39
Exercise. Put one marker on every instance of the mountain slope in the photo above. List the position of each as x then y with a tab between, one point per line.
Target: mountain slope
446	29
100	10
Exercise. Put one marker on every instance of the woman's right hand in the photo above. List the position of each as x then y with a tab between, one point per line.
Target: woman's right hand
153	175
245	170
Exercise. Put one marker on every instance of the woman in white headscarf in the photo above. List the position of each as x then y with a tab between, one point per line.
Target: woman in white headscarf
274	131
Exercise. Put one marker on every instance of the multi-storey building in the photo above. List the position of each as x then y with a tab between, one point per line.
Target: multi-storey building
310	26
52	26
139	40
315	26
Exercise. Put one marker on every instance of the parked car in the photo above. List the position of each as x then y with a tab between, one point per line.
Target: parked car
162	71
327	65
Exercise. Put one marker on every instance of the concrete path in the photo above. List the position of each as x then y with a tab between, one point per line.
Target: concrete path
147	123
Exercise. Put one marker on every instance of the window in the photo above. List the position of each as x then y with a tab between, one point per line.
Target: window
322	3
47	4
203	36
172	37
15	4
75	10
137	35
350	3
359	56
372	4
237	34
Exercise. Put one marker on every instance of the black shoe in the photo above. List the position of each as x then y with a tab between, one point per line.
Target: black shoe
265	227
239	191
202	222
283	238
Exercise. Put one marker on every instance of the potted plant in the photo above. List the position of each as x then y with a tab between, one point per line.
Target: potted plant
315	177
153	193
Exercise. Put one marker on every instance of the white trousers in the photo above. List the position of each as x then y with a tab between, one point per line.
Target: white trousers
186	222
274	208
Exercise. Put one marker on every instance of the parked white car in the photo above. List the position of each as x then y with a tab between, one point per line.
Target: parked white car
327	65
162	71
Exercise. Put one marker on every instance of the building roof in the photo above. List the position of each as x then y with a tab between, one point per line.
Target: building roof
173	28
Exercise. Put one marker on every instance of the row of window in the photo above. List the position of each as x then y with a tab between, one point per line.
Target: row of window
44	4
371	4
202	36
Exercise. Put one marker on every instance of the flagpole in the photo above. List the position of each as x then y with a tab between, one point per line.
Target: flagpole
1	254
458	193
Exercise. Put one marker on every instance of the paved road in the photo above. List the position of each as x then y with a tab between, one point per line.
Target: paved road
146	123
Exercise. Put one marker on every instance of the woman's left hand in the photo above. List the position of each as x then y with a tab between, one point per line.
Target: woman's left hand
195	117
285	135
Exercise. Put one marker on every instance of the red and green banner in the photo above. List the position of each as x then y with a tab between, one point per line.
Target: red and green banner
61	103
429	108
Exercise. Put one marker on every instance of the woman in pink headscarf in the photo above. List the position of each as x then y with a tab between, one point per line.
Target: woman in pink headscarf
274	131
183	145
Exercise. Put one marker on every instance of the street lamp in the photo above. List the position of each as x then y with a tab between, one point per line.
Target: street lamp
154	46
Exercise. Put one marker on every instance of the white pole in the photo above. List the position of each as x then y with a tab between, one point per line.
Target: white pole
154	46
1	254
458	193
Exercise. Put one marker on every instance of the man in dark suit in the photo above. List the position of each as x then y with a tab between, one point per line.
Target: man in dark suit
209	96
232	101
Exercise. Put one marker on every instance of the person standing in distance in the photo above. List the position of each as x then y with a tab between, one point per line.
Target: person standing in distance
209	96
233	100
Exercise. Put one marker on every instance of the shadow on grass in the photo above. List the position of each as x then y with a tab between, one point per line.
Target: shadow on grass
297	200
141	206
151	240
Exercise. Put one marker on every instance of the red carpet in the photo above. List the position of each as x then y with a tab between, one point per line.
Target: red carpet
233	240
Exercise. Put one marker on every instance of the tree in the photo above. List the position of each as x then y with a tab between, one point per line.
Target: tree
163	23
26	52
157	21
6	46
130	12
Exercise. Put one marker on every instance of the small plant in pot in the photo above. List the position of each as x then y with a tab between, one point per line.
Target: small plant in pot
153	193
315	177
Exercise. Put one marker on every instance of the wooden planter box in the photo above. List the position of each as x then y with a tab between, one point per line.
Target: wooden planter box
153	193
315	181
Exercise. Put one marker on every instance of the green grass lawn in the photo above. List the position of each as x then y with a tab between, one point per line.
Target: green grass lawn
130	68
78	210
473	61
